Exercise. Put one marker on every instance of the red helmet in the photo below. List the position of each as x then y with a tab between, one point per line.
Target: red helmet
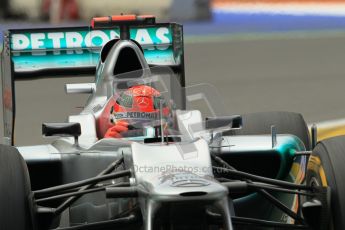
139	102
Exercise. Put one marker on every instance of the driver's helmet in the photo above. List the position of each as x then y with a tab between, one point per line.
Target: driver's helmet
139	103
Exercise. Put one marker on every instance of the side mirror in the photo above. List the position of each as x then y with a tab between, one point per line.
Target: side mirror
62	129
233	122
87	88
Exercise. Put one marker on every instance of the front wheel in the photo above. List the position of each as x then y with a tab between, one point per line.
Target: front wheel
16	206
326	168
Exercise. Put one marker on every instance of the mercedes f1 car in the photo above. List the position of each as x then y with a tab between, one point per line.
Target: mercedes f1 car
187	164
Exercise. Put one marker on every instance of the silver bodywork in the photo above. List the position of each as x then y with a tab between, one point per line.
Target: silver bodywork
163	172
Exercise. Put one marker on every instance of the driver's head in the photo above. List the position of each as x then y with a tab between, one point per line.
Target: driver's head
137	107
140	102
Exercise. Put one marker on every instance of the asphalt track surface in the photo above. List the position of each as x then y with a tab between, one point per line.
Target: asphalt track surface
304	74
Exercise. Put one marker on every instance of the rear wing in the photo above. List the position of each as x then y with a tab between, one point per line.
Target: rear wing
46	52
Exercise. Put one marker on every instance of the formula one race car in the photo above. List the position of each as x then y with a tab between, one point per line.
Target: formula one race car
148	152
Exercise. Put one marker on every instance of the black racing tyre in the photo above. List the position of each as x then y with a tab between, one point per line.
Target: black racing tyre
15	191
285	123
326	168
